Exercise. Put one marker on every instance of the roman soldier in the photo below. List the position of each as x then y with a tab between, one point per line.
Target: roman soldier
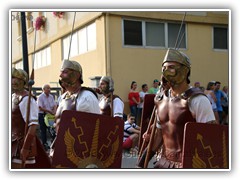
23	145
175	106
110	104
76	97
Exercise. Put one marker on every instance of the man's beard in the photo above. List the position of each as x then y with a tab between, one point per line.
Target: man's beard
105	90
66	82
17	88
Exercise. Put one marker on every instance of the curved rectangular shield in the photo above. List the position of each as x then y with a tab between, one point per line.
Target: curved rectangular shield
206	146
87	140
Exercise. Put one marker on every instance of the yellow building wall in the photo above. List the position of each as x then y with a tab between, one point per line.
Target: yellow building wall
127	64
143	65
92	62
207	64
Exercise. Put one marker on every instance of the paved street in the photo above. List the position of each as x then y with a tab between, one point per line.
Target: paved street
130	160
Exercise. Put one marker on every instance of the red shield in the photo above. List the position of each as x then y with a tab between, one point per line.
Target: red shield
205	146
87	140
148	106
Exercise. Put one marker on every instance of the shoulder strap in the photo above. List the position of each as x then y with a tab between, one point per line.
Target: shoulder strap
192	92
116	96
90	89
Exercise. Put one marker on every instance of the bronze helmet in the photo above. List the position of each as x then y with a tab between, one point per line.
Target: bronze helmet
74	65
181	72
110	82
20	74
174	55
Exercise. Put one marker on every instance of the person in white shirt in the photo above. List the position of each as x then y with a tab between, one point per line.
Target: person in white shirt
110	104
46	105
21	144
140	106
131	133
76	97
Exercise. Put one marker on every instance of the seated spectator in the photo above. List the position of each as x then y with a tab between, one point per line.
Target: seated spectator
131	134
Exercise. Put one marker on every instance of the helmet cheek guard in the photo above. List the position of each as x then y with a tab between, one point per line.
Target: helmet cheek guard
179	73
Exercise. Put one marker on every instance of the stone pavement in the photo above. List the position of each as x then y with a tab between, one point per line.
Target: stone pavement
129	160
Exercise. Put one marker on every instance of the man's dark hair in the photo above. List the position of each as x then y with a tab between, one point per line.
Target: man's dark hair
144	85
217	82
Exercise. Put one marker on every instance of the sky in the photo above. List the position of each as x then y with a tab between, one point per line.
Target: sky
123	4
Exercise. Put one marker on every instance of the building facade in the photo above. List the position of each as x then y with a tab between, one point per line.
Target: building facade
127	45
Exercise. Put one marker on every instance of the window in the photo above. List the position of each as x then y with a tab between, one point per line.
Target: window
132	32
220	38
19	65
153	34
91	37
173	30
84	40
42	58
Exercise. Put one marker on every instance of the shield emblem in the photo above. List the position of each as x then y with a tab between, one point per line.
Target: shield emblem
148	106
87	140
205	146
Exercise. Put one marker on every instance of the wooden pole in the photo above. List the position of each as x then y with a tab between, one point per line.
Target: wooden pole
150	143
144	144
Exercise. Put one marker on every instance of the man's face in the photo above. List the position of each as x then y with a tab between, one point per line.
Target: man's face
217	87
17	84
174	72
68	77
104	87
47	90
156	84
145	89
131	119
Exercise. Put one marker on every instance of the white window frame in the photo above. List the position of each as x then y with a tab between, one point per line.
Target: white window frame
144	36
86	38
216	49
41	56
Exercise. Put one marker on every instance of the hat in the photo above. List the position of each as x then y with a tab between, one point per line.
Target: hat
74	65
174	55
20	74
155	80
109	80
